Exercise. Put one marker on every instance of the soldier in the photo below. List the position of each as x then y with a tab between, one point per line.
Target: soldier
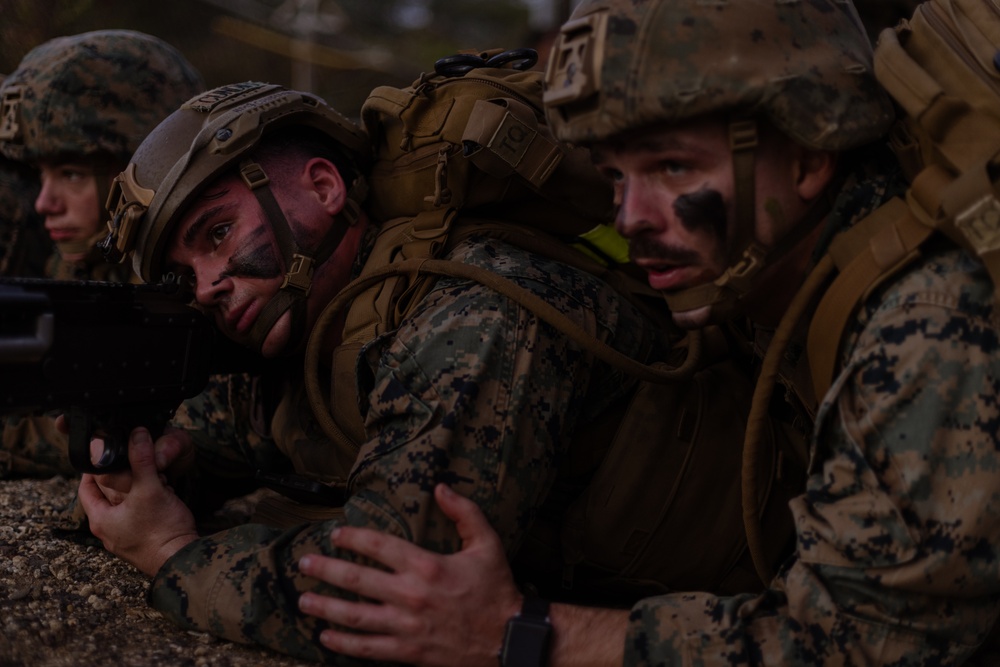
252	194
741	138
75	109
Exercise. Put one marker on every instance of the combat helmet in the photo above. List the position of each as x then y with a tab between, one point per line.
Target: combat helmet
804	66
95	94
209	135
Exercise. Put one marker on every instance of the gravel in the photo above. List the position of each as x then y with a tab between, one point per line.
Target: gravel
65	601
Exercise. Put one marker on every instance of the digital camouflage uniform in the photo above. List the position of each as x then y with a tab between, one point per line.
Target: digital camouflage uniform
233	438
88	98
898	530
472	390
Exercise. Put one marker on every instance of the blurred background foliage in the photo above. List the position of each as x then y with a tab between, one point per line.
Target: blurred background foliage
339	49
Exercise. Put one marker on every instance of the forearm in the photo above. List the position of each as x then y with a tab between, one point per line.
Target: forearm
587	636
239	585
244	584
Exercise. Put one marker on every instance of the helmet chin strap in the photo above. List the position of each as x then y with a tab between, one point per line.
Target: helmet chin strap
77	250
724	293
300	265
723	297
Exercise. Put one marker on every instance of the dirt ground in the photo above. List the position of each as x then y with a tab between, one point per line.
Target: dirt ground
64	601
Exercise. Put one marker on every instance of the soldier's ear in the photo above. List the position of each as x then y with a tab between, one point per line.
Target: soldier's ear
814	170
322	178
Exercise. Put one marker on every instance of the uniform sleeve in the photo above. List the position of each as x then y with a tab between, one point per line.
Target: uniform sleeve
230	440
473	391
898	532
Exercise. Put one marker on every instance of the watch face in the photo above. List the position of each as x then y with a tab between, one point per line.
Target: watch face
526	642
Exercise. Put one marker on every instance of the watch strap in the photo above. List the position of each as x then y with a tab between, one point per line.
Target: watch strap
535	607
528	635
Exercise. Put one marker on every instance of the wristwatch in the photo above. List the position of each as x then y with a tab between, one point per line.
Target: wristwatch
528	634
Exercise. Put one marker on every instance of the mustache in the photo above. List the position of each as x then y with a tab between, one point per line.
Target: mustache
643	247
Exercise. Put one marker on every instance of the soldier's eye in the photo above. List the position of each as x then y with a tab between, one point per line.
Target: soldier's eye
219	232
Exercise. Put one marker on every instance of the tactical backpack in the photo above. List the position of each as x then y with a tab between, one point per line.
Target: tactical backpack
466	150
942	68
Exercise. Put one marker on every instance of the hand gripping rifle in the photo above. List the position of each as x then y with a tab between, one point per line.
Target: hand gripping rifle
110	356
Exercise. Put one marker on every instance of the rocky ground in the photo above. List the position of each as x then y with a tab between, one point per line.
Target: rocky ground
64	601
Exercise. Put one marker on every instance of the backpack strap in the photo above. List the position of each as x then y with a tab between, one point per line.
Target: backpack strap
757	421
861	258
865	255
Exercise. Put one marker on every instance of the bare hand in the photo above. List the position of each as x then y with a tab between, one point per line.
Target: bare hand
134	513
174	454
435	611
175	451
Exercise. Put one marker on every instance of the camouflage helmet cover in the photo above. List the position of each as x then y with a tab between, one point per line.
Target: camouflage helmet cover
208	135
806	65
92	94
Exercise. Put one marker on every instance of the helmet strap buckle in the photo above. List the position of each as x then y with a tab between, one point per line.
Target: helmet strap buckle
739	277
299	276
743	135
253	175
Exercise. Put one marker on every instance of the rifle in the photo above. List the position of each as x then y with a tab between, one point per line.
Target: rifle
110	356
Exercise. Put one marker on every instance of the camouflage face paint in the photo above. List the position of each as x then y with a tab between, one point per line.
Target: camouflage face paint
254	259
704	210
